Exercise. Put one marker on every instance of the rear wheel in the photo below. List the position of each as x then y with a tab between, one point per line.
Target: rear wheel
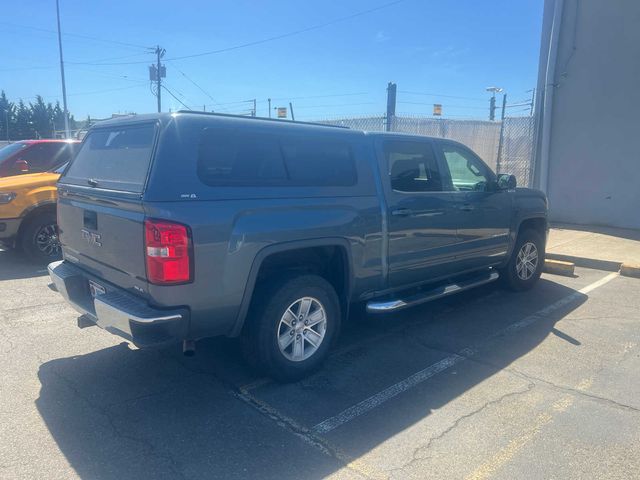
525	266
39	238
291	326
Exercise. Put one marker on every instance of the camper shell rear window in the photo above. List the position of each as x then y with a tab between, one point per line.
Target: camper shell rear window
114	158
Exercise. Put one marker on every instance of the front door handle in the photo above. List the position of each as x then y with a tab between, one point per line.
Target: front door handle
467	207
401	212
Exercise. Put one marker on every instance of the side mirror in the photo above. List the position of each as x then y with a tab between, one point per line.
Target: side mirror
21	166
507	182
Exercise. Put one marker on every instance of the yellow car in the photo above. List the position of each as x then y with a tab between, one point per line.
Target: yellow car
28	214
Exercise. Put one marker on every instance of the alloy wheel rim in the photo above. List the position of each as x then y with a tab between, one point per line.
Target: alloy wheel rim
527	261
302	329
47	241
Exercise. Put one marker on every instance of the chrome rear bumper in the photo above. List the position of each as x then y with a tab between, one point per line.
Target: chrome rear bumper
116	310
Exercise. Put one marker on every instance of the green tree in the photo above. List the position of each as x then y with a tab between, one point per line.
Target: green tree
58	117
7	112
22	124
41	118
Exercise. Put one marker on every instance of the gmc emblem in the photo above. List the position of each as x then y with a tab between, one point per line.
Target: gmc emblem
91	238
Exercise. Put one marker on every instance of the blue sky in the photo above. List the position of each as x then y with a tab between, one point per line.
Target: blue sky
446	51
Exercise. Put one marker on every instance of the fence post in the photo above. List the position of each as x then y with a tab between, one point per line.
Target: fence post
391	105
501	138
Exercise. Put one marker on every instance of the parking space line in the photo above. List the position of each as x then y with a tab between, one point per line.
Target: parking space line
492	465
515	445
417	378
356	465
261	382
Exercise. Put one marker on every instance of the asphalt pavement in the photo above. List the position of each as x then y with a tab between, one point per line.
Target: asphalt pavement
486	384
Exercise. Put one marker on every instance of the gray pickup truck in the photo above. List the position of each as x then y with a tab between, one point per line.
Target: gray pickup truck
177	227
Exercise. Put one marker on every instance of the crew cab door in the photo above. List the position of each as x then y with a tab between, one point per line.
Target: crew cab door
483	213
420	214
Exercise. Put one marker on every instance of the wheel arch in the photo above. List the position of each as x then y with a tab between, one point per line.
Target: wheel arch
32	212
341	246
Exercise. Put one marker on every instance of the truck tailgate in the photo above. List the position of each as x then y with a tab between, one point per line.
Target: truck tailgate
104	235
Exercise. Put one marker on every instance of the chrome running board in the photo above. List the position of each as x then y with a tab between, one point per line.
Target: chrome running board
376	306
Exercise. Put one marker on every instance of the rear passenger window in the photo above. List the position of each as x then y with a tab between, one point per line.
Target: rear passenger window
248	158
318	162
412	167
227	156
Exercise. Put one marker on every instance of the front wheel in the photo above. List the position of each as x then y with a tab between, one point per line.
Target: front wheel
39	238
291	326
525	266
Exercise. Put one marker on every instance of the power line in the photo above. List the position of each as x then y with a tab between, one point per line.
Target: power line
106	59
442	95
445	105
320	96
95	92
179	92
111	75
177	99
194	83
275	37
294	98
77	35
335	105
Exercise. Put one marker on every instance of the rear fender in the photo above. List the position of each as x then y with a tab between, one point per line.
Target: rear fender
282	247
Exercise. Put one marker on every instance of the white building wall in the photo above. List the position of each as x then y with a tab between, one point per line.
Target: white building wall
594	150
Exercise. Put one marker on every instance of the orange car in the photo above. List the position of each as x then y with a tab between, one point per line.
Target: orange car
28	214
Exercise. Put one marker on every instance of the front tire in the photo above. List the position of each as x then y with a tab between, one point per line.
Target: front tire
39	238
291	327
526	262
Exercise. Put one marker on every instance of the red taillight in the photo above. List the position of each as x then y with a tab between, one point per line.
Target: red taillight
167	252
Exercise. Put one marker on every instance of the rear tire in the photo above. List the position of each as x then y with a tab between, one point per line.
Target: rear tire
291	326
39	238
526	262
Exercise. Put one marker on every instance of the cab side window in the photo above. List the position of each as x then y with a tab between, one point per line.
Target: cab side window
412	166
468	172
43	156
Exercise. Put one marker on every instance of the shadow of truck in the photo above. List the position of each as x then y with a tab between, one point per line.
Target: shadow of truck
122	413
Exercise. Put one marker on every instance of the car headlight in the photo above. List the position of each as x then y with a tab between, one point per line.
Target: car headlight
7	197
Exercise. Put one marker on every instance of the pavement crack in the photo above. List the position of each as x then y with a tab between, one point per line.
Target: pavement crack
104	412
421	449
575	391
290	425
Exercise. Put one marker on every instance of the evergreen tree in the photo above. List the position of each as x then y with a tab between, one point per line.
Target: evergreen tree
58	116
23	125
41	118
7	112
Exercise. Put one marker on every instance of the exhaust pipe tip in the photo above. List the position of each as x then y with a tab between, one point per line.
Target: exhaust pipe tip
188	348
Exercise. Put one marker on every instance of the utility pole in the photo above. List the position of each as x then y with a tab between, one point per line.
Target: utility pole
293	118
269	100
533	101
64	85
501	140
391	104
156	73
492	101
253	112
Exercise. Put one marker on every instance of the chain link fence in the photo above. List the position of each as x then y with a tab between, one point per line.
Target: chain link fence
517	155
483	137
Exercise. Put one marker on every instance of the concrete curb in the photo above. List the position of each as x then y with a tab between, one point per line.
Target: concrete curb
630	270
605	265
625	269
559	267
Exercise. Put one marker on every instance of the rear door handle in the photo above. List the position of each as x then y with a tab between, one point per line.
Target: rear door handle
467	207
401	212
